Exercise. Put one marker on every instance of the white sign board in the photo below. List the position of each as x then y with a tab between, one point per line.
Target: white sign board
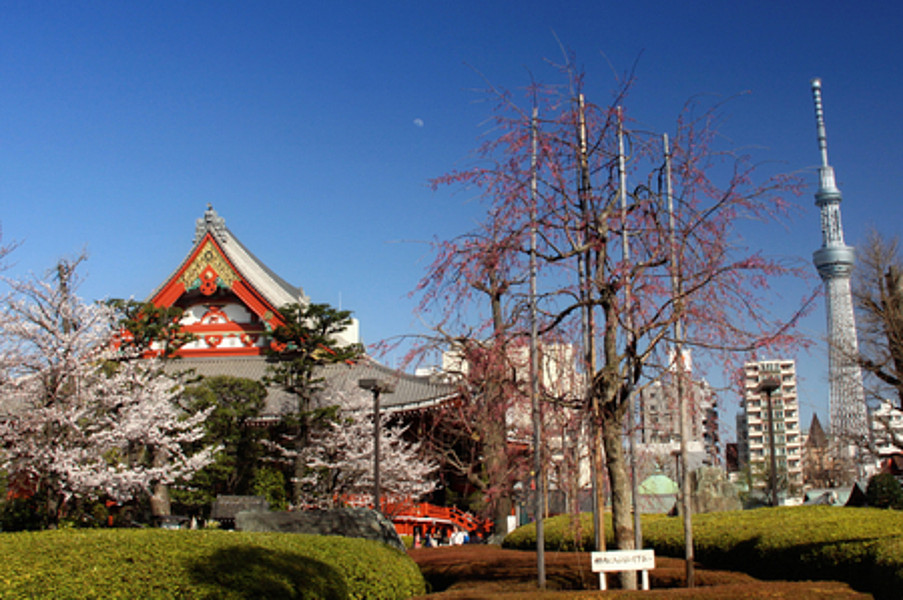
623	560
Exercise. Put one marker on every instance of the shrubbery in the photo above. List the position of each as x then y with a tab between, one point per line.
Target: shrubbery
860	546
884	491
563	533
157	564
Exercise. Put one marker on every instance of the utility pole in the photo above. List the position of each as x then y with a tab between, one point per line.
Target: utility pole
534	366
589	327
631	335
686	481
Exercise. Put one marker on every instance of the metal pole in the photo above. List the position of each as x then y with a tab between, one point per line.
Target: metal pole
768	386
377	386
676	291
534	368
628	321
585	268
377	505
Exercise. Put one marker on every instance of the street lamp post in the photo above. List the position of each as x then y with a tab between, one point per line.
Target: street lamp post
377	386
769	385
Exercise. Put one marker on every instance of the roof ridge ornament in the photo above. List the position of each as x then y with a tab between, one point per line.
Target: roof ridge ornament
212	222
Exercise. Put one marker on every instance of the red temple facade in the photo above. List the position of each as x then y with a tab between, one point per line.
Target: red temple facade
230	302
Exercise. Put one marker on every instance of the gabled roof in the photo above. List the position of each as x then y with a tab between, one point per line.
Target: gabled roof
817	437
219	264
211	233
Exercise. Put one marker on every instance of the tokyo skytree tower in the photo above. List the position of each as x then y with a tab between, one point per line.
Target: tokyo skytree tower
834	261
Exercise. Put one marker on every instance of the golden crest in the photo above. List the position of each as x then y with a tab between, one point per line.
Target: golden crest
208	266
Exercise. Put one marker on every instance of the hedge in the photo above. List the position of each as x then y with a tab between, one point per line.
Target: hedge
207	564
860	546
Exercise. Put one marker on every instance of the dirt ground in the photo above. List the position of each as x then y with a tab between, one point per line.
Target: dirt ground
475	572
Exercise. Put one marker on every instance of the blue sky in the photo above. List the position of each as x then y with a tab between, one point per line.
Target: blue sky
314	127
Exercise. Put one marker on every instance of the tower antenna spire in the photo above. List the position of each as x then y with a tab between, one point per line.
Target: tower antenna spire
820	121
834	261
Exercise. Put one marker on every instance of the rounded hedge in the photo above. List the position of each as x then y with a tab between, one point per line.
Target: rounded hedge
860	546
208	564
884	491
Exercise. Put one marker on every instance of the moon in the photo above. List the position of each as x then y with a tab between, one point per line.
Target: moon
418	122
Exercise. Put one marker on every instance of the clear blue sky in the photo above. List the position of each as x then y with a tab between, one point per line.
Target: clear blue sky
313	127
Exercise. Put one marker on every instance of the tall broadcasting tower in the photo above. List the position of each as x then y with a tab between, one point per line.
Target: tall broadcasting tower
834	261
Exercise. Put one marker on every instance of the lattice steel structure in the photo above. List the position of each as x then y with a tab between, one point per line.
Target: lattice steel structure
834	261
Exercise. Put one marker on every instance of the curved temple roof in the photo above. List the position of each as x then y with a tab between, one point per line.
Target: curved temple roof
410	392
267	283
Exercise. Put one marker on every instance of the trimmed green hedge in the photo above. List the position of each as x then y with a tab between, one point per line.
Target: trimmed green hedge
208	564
565	533
860	546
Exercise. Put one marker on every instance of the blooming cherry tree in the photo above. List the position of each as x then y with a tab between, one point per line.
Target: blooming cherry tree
339	457
80	419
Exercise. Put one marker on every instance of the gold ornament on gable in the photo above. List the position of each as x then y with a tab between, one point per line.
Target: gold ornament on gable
206	269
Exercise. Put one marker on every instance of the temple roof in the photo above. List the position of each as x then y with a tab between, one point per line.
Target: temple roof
219	263
268	284
412	392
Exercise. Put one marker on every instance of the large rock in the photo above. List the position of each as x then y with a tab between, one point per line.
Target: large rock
713	492
349	522
225	508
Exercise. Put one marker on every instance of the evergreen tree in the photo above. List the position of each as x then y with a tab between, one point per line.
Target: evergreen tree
884	491
145	326
234	403
307	340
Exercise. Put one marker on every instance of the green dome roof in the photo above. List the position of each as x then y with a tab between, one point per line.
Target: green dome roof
658	485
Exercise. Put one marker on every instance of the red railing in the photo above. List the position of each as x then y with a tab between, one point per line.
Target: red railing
407	515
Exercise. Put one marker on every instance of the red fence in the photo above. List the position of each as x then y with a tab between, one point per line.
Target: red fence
409	517
436	519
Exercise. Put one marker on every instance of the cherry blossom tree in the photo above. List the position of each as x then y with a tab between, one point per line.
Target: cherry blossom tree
632	273
80	418
471	436
338	459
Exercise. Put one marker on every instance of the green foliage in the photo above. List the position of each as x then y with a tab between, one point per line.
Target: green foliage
145	323
307	340
22	514
884	491
565	533
861	546
269	482
236	402
157	564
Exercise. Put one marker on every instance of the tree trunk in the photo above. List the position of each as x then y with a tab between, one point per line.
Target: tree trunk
496	466
160	503
621	516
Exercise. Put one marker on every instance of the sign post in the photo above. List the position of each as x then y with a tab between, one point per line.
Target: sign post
623	560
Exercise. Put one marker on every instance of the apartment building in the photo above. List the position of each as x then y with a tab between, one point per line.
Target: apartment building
771	382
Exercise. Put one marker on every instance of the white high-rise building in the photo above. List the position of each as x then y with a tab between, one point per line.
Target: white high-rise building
659	423
754	443
887	427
